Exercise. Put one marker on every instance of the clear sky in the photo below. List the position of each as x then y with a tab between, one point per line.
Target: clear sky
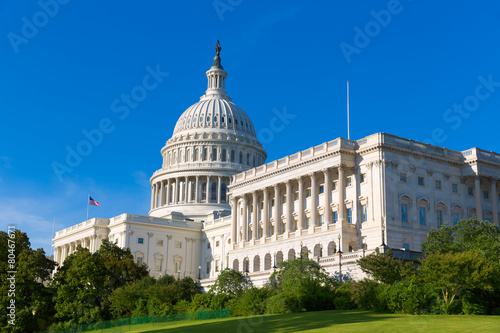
424	70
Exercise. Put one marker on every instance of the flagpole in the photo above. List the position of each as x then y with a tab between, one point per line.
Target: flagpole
88	198
348	132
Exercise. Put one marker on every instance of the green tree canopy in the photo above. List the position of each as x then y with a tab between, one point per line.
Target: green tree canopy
33	299
229	282
86	280
467	235
383	267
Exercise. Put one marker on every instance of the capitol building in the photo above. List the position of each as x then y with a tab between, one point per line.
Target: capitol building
216	202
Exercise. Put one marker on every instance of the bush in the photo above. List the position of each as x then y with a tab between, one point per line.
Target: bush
409	297
277	304
251	302
342	299
369	295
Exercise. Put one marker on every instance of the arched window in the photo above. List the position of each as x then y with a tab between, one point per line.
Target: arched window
236	265
332	248
291	254
213	197
318	250
196	154
205	153
267	261
279	257
256	264
173	157
223	191
232	154
241	157
214	154
224	155
204	191
188	157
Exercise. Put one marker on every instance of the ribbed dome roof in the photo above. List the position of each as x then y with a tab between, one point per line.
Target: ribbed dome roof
214	113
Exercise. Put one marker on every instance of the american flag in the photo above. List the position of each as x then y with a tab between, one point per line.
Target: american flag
93	202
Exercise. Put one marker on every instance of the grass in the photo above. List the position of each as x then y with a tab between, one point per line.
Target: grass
328	321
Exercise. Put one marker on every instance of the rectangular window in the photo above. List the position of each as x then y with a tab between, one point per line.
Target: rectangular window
296	196
308	192
308	222
486	194
217	265
362	178
404	213
438	184
402	177
421	213
454	188
470	191
439	218
179	245
334	185
208	267
217	244
158	264
159	242
177	266
349	215
321	189
335	217
421	181
363	213
139	261
321	220
456	217
140	240
348	181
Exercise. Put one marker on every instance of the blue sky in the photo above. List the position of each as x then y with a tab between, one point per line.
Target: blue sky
423	70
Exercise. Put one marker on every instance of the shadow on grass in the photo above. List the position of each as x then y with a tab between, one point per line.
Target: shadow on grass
292	322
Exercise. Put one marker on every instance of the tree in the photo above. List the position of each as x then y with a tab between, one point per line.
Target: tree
385	268
454	274
229	282
86	280
467	235
31	294
302	285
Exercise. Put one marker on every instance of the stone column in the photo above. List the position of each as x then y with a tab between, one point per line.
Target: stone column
169	185
277	217
327	215
234	222
479	207
218	189
197	190
176	191
254	215
152	196
494	200
209	190
265	214
162	193
341	191
314	204
300	209
186	190
289	201
244	220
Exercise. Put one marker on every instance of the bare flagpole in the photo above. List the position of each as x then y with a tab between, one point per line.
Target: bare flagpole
348	131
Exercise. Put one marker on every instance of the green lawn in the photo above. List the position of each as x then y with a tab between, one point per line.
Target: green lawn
328	321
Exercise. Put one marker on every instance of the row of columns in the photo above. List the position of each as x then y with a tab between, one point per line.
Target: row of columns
162	192
240	218
63	251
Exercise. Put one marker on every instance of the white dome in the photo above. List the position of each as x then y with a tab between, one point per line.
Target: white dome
217	114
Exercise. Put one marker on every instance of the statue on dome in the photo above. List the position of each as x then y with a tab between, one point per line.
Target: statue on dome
217	48
217	58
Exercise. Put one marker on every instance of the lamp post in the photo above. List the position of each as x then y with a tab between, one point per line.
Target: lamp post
340	259
383	233
199	273
300	251
246	273
274	265
320	251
